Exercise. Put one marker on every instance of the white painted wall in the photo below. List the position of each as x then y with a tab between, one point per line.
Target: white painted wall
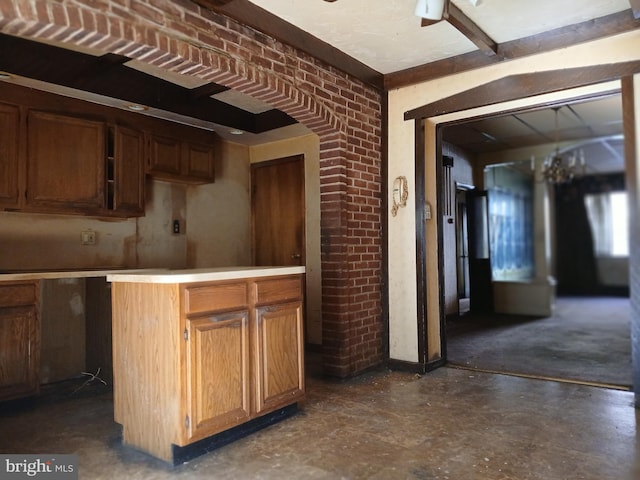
403	341
35	241
218	215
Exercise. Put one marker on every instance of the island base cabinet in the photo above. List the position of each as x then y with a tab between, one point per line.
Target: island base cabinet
218	373
193	361
279	364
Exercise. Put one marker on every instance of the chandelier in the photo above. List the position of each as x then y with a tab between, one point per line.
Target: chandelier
562	167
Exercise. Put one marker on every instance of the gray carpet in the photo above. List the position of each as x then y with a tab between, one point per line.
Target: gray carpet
586	340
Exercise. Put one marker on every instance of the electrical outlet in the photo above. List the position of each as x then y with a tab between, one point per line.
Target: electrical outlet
88	237
176	226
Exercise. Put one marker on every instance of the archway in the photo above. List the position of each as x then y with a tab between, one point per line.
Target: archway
345	114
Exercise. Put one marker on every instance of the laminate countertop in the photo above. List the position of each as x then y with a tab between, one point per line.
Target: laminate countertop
157	275
202	274
57	274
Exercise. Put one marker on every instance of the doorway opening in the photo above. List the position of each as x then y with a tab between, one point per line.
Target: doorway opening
567	344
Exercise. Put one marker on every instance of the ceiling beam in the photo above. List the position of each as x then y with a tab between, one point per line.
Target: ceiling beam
525	85
470	30
563	37
206	90
109	76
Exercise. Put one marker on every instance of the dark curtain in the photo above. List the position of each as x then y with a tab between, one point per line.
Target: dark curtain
576	269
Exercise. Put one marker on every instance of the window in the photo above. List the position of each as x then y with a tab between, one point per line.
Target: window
609	221
511	234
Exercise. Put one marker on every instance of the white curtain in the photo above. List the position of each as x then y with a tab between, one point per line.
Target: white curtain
599	213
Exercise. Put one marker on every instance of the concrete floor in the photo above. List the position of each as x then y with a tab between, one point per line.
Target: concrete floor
448	424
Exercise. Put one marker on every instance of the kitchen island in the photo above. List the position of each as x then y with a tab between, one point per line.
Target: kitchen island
203	356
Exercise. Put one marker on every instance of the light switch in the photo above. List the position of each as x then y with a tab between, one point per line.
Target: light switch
88	237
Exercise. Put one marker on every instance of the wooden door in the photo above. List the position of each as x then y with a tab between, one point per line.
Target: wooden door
279	356
217	372
278	212
9	128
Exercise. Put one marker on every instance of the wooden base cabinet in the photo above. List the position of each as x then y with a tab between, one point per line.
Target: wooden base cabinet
19	339
192	360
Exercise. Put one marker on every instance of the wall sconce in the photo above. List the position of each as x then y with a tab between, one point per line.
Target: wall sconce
430	9
400	194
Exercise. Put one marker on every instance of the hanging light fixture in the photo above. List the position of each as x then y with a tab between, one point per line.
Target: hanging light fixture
430	9
561	167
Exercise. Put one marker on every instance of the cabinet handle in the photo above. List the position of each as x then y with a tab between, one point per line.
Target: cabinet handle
296	256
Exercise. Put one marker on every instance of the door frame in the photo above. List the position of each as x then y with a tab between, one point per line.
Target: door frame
463	188
506	95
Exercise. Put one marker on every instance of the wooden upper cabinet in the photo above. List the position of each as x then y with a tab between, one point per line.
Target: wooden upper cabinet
125	172
180	161
9	135
199	161
164	156
65	162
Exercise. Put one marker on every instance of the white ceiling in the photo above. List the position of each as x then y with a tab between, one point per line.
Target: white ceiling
386	35
593	127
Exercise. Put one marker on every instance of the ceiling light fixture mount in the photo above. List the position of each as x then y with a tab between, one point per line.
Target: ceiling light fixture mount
561	168
136	108
430	9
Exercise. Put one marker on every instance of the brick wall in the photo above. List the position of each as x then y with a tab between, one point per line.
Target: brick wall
180	36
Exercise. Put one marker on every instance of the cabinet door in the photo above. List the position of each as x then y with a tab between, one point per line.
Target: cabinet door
66	159
279	356
9	128
199	162
164	156
128	171
217	373
19	352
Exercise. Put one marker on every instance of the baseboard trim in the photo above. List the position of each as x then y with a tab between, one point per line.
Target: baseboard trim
206	445
415	367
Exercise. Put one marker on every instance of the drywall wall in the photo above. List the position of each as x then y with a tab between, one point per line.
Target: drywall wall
218	215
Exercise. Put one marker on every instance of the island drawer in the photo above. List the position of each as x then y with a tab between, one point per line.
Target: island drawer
212	298
278	289
17	294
